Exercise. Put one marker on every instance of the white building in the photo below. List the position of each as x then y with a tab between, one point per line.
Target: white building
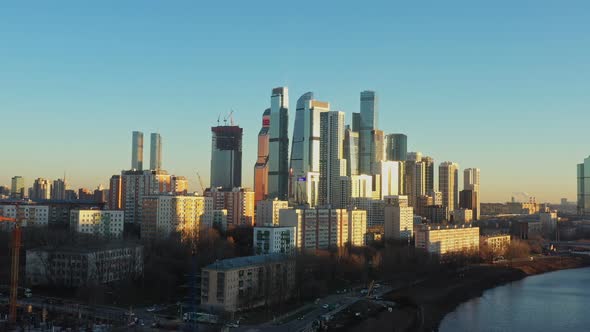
32	215
107	223
399	222
274	239
387	175
471	181
267	211
442	240
164	215
357	227
215	218
332	162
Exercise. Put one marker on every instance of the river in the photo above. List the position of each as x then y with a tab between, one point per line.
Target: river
555	301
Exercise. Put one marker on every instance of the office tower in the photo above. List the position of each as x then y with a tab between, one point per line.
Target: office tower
261	166
267	211
368	122
17	187
356	122
584	187
351	151
41	190
332	162
305	152
58	190
448	184
156	152
397	147
278	162
137	151
398	222
429	173
226	157
377	146
387	175
471	181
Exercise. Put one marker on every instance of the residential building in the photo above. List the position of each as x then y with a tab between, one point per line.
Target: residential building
261	166
58	189
239	203
428	164
74	267
437	214
137	151
583	187
469	199
278	162
373	207
134	185
226	156
399	222
396	147
242	283
448	184
525	230
104	223
164	215
41	190
179	185
17	187
463	216
351	151
497	244
440	240
114	200
267	211
30	215
357	227
156	152
214	219
274	239
332	162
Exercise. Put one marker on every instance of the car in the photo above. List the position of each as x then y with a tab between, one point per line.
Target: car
326	306
151	309
232	325
377	286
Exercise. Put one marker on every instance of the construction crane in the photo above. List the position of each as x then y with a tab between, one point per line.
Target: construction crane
201	184
230	117
15	248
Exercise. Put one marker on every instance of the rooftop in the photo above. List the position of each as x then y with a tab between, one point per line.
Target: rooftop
238	262
87	248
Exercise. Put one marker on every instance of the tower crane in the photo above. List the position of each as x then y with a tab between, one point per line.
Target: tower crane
15	248
201	184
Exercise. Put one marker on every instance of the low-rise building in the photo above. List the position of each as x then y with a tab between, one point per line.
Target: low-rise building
526	229
241	283
104	223
83	266
274	239
496	243
441	240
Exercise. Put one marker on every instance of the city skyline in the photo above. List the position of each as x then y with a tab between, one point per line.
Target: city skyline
473	103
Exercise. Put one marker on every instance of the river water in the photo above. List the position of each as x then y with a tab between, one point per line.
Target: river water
555	301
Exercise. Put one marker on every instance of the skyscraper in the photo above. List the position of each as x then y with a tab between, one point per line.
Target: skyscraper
397	147
58	190
448	184
471	182
356	122
278	162
137	151
584	187
156	152
226	157
429	173
261	166
368	123
41	189
387	174
332	162
351	151
17	187
415	177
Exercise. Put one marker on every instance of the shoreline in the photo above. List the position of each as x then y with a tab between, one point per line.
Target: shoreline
422	307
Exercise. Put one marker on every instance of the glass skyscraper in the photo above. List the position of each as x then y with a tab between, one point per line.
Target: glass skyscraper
368	123
156	152
397	147
278	174
137	151
226	157
584	187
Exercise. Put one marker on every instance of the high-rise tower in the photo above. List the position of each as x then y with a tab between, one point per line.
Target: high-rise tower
471	182
137	151
156	152
226	157
261	166
448	184
332	162
397	147
368	123
278	162
584	187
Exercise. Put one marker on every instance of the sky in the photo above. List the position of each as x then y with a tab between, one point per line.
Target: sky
499	85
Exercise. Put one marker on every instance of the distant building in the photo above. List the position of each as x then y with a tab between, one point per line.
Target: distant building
463	216
441	240
448	184
155	152
386	175
179	185
106	223
215	218
396	147
41	190
137	151
164	215
471	178
549	221
399	222
87	266
374	209
261	166
526	229
332	162
17	187
274	239
239	203
226	156
241	283
583	187
267	211
437	213
58	190
278	161
369	122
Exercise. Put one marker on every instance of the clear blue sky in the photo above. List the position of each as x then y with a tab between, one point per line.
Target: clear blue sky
499	85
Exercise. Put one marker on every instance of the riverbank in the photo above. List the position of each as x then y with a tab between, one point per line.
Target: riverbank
423	306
